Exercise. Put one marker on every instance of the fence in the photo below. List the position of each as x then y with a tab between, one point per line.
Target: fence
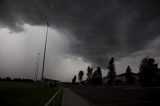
56	99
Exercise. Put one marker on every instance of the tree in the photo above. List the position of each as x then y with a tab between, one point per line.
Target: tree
89	74
129	76
8	79
97	77
94	78
74	80
148	71
17	79
112	71
81	73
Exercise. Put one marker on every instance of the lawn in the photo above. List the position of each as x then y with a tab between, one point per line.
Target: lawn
24	94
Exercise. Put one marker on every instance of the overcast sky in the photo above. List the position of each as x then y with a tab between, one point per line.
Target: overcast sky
81	33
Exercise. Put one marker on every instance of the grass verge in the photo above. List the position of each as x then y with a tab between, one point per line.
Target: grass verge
24	94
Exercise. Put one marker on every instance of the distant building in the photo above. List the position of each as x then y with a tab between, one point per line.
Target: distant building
121	77
52	83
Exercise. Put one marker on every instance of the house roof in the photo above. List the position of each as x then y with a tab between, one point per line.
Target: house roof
123	74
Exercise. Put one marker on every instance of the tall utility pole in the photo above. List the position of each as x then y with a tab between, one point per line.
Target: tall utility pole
44	56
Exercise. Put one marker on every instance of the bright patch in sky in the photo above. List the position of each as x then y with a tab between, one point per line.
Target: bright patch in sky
19	54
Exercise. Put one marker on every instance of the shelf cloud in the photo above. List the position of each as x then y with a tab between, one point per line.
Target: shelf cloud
99	29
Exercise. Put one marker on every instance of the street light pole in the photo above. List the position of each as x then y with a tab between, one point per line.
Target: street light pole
44	56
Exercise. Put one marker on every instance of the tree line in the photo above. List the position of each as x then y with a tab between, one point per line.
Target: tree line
16	79
148	74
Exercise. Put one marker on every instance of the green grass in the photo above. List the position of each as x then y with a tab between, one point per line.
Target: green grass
24	94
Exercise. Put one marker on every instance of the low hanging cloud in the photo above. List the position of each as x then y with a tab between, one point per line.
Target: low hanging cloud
99	29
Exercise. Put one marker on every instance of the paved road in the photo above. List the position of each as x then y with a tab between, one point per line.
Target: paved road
72	99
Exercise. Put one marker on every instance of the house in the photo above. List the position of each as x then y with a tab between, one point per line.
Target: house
121	77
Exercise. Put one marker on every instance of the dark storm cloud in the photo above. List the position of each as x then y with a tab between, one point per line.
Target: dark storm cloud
102	28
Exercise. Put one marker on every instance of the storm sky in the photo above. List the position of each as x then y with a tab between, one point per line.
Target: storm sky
81	33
